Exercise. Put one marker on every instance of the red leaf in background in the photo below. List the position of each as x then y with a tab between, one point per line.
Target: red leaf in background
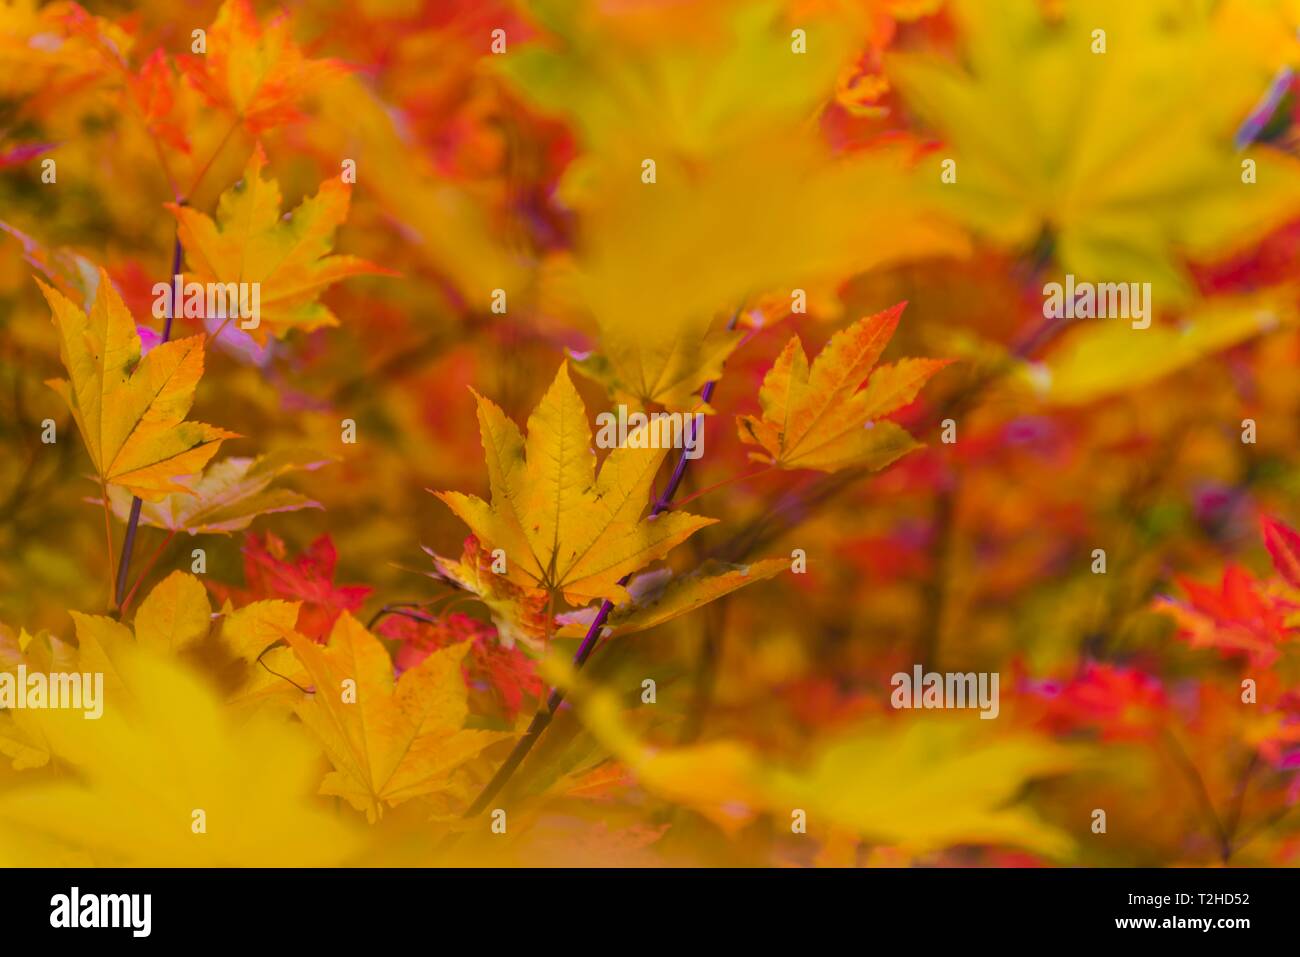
309	578
154	90
1123	703
1284	545
1236	618
507	673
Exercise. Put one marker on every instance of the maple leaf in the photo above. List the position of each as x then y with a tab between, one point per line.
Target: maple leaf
288	257
1283	545
153	88
71	273
507	673
741	182
1238	617
820	418
920	785
1100	359
1126	161
388	741
308	579
175	615
131	410
43	49
244	650
1123	703
259	667
227	496
258	73
563	528
519	613
21	734
660	596
154	757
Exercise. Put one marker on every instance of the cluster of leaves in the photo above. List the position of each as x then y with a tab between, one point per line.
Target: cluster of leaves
623	663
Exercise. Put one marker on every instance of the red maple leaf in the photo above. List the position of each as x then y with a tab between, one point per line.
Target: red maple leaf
1283	543
1238	617
506	673
309	578
1122	703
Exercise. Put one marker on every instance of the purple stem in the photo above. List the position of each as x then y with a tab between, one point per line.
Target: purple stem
133	523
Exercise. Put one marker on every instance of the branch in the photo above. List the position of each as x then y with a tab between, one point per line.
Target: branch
133	523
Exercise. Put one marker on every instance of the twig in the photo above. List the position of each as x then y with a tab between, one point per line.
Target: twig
401	608
133	523
1202	794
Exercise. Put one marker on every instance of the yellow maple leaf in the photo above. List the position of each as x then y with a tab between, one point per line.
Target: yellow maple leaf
740	182
286	257
819	417
388	740
245	650
175	615
921	785
264	669
1096	360
1107	126
131	410
562	527
21	735
165	778
227	496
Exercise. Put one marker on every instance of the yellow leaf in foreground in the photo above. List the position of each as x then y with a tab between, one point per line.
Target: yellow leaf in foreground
388	740
246	649
562	527
131	410
21	736
164	779
1124	160
918	784
1107	356
741	182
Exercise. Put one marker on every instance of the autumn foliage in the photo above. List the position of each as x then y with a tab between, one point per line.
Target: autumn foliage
309	318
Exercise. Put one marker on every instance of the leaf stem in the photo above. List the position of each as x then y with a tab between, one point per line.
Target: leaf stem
198	179
108	534
148	567
553	701
742	477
